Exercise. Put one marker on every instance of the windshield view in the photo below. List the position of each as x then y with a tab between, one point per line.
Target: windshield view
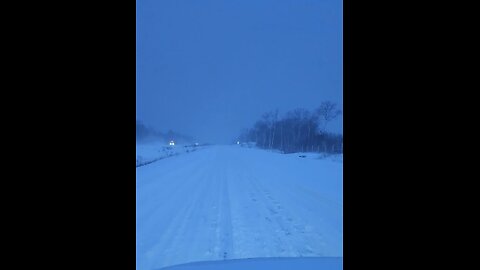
239	134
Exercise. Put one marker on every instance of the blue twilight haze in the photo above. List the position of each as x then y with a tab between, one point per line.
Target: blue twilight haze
211	68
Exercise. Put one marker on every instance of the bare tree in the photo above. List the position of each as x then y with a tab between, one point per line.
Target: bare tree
270	119
326	113
298	130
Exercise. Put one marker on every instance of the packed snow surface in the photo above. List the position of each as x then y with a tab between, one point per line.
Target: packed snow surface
231	202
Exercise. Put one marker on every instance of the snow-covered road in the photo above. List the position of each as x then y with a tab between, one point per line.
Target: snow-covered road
229	202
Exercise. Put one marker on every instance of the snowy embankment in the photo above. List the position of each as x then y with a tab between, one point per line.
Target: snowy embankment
150	152
231	202
324	156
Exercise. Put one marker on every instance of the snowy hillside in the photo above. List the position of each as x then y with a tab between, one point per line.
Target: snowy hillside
232	202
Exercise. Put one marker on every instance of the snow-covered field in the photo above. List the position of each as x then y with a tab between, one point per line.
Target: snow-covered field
231	202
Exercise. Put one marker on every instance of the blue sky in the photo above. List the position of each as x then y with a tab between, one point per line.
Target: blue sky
211	68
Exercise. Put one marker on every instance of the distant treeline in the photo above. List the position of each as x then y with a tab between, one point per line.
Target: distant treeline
148	134
298	131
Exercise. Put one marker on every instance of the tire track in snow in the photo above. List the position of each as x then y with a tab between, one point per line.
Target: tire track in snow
227	204
167	246
226	242
271	213
276	239
181	208
288	230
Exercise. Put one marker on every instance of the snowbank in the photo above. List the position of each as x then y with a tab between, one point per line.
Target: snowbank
151	152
